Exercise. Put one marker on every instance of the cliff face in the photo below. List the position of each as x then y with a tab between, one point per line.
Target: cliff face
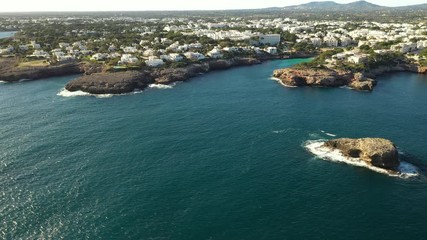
11	72
226	64
170	75
376	151
323	78
123	82
110	83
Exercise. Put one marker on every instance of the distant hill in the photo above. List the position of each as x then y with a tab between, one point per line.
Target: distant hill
358	6
418	7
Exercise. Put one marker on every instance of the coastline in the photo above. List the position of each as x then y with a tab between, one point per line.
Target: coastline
331	77
97	81
119	83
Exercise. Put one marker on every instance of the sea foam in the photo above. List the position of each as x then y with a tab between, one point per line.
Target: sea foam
328	134
161	86
281	83
405	170
65	93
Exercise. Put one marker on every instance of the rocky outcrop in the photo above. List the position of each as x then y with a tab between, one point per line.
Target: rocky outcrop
91	68
170	75
226	64
110	83
403	67
362	83
124	82
323	78
10	70
375	151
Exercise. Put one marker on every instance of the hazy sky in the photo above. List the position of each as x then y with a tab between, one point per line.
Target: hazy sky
140	5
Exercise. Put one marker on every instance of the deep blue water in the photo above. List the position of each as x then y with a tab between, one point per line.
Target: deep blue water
218	157
6	34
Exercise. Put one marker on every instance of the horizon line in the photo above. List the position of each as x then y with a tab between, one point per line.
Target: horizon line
193	10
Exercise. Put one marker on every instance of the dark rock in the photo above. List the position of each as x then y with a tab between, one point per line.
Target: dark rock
169	75
11	72
110	83
376	151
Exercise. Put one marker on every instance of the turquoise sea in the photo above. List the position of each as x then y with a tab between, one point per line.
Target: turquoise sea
219	157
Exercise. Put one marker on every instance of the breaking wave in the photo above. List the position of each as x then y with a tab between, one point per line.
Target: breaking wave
281	83
162	86
405	169
65	93
328	134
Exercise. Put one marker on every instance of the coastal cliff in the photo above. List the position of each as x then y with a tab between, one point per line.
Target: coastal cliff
124	82
110	83
323	78
12	71
328	77
378	152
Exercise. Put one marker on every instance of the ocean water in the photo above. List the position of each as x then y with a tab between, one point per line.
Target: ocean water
219	157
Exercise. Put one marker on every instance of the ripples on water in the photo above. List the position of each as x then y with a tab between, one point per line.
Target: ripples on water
218	157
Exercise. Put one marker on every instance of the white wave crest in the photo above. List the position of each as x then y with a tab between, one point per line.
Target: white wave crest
328	134
65	93
405	170
278	131
2	82
161	86
275	79
281	83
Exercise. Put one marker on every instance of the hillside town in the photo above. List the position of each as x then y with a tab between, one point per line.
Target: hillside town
122	42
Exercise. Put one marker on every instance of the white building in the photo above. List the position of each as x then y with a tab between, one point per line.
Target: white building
345	41
66	58
271	50
422	44
317	42
35	45
63	45
173	57
331	41
215	53
231	49
154	62
194	56
40	53
269	39
357	59
23	47
130	49
128	59
148	53
112	48
99	56
404	47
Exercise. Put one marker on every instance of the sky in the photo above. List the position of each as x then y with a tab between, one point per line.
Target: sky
142	5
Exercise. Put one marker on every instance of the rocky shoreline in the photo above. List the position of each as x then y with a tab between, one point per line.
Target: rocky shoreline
10	71
362	81
98	81
128	81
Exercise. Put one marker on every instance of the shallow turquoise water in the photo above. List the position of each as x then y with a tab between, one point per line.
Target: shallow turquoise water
6	34
218	157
